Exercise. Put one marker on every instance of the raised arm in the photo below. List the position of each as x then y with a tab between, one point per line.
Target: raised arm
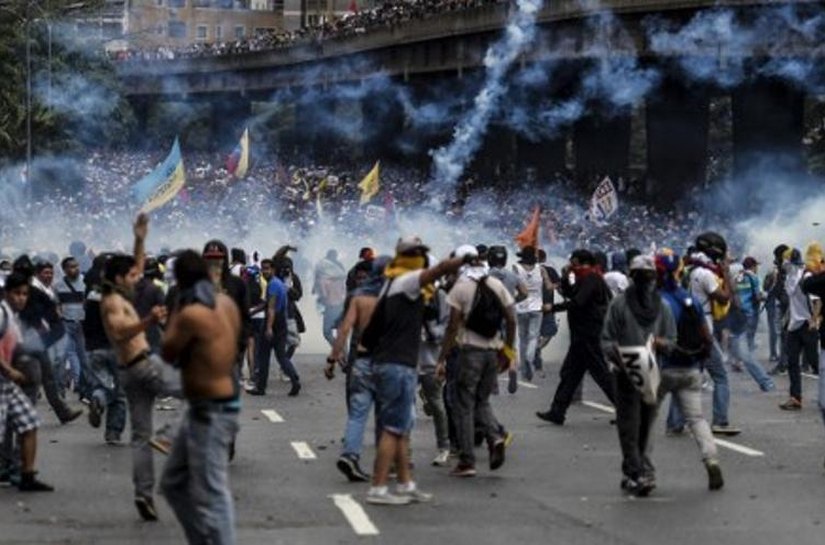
428	276
140	229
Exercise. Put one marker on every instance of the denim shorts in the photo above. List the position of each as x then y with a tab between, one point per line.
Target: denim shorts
395	397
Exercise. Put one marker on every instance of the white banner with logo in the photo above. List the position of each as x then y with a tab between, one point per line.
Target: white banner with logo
604	202
639	363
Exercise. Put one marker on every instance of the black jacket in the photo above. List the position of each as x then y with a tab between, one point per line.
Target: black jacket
586	306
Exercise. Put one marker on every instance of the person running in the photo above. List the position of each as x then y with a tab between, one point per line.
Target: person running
743	343
142	373
41	328
479	304
393	336
106	395
681	374
16	408
587	299
202	339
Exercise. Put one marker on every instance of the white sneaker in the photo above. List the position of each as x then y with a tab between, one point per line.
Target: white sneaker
442	458
385	498
415	495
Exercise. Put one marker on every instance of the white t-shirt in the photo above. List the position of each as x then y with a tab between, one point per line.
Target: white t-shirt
801	304
703	282
534	281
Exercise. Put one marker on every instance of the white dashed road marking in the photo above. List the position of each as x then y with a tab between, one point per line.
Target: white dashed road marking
522	384
741	449
599	406
273	416
355	514
303	450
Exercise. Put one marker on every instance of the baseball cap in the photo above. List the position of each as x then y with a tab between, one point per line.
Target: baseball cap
643	263
410	243
467	250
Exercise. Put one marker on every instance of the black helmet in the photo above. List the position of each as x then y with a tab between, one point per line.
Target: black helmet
712	245
497	256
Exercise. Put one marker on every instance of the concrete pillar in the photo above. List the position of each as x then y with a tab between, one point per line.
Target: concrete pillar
601	143
496	159
677	121
767	127
141	108
382	126
231	113
545	157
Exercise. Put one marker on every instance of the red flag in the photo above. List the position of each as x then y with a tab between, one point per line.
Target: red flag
353	6
530	235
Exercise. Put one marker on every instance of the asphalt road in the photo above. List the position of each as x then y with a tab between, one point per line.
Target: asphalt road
559	484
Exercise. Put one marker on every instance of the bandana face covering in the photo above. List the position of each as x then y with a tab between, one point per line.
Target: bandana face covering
403	264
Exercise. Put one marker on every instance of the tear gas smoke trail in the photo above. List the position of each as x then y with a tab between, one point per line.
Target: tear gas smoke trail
449	162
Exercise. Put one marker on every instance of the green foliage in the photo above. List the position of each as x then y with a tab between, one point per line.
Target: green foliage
77	102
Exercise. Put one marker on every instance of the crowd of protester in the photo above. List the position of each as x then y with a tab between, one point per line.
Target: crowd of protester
388	14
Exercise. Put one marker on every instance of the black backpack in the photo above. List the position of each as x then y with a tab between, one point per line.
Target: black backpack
486	314
693	341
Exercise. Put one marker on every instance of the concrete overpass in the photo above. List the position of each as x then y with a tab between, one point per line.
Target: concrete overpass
767	112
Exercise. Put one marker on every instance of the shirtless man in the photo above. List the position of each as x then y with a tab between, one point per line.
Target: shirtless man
141	371
360	382
202	339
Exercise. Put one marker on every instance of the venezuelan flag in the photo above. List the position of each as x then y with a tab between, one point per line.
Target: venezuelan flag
238	161
162	184
370	185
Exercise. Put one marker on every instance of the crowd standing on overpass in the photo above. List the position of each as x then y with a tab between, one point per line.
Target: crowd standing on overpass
389	13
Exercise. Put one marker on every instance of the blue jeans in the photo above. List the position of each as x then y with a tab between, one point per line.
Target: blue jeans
104	385
529	327
195	480
361	390
75	354
332	314
721	392
745	355
395	394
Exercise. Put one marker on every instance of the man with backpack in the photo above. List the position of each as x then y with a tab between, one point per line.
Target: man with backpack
709	284
479	303
680	373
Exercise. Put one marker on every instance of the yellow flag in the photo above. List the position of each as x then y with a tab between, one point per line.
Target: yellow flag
370	185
